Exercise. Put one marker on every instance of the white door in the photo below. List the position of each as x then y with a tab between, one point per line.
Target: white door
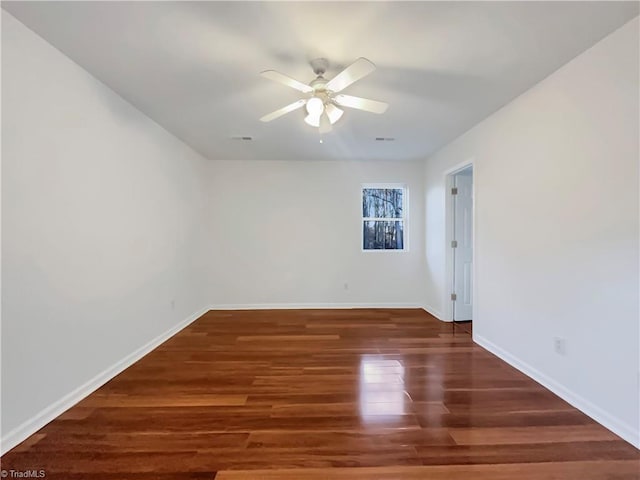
463	244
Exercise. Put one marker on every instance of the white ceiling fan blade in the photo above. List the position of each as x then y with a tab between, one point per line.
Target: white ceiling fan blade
283	110
325	123
286	80
373	106
354	72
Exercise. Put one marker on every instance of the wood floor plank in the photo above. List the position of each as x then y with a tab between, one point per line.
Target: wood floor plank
286	338
348	441
598	470
115	442
546	434
525	453
323	394
198	400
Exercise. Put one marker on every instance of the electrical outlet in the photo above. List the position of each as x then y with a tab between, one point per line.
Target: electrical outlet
560	345
173	304
346	286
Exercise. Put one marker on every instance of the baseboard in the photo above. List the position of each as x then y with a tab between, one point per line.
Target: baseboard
305	306
435	313
29	427
623	430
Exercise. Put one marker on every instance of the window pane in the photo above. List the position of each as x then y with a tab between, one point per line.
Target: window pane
371	202
382	202
373	235
393	235
381	235
393	203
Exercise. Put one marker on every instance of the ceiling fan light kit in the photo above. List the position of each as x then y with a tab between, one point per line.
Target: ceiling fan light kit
315	106
324	101
334	113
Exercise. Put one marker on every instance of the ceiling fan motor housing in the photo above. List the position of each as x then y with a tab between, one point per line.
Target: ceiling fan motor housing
319	66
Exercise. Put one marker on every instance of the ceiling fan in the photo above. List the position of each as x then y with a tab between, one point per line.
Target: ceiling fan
324	100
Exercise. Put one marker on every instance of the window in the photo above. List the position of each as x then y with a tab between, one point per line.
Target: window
383	217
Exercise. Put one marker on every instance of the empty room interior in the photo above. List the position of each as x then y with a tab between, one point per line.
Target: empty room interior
320	240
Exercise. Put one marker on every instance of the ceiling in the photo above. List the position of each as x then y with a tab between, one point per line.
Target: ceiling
194	67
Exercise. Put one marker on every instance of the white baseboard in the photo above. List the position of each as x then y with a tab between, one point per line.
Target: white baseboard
304	306
620	428
435	313
29	427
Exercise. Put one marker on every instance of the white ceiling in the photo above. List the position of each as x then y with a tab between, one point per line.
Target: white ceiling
442	66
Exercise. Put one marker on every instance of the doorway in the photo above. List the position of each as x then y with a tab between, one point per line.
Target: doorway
460	243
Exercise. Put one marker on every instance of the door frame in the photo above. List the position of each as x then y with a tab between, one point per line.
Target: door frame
448	215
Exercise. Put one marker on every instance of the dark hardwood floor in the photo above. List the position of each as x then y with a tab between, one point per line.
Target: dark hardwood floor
323	394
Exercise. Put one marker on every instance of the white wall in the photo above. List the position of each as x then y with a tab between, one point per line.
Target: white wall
289	234
556	178
100	212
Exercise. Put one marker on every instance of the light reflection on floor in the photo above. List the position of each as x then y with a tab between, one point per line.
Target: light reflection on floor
382	392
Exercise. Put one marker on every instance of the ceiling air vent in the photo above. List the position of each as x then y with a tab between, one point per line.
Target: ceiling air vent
242	139
385	139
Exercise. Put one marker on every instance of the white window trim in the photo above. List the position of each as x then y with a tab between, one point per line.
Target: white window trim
404	219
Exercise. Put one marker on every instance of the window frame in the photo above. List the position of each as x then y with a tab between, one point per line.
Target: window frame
404	219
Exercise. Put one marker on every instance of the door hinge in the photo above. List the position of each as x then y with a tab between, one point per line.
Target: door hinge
454	297
454	244
454	191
